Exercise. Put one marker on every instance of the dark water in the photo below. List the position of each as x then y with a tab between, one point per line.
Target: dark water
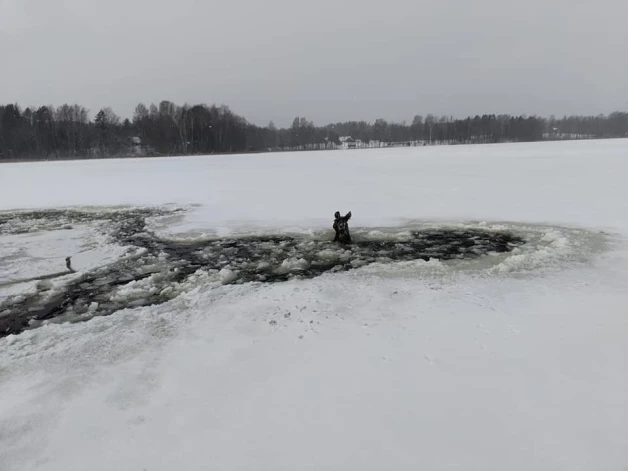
265	259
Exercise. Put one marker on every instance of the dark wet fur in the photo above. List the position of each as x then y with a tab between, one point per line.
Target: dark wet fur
341	226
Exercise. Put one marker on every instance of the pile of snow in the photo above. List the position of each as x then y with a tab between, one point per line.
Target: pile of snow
293	264
226	275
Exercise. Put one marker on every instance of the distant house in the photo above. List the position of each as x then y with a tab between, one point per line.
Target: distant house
347	142
136	147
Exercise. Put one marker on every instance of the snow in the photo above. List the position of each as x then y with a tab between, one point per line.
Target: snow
26	256
512	182
513	361
227	275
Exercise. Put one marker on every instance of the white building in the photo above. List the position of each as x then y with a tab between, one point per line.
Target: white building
347	142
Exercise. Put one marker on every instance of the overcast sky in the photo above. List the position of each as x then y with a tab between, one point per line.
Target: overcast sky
327	60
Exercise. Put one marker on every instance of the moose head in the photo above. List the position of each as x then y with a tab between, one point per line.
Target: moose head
341	226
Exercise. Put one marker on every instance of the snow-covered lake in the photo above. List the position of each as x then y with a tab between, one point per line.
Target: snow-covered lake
507	361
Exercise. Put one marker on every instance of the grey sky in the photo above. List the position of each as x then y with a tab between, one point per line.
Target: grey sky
328	60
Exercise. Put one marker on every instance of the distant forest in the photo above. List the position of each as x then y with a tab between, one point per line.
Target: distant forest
68	131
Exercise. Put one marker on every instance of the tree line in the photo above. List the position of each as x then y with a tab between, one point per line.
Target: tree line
68	131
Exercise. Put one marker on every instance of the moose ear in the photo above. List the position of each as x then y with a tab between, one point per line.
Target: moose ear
348	216
337	215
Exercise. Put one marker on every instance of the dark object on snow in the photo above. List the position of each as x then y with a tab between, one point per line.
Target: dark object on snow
68	264
341	226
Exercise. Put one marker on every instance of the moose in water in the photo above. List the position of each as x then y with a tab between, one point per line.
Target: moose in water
341	226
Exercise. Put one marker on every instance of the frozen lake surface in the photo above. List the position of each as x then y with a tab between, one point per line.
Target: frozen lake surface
478	322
